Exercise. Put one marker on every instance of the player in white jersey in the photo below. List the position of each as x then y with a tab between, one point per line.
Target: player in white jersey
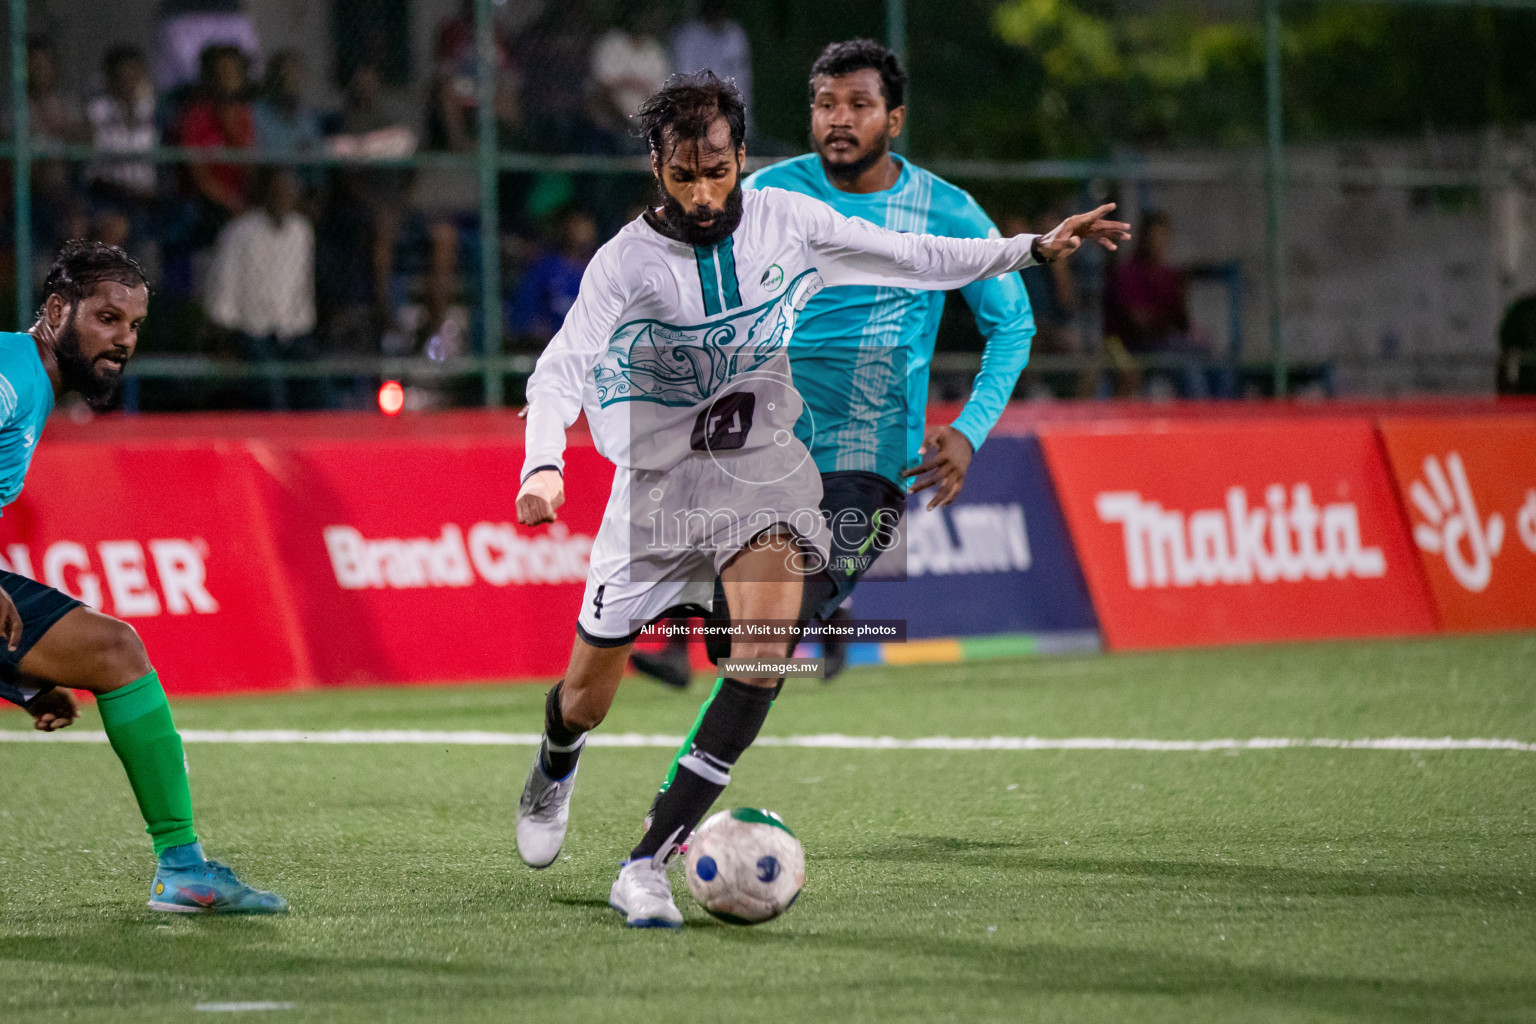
676	350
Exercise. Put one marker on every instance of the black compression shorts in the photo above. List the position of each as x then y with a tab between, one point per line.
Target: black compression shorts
862	510
40	607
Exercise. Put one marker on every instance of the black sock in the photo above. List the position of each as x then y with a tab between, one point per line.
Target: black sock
729	727
562	744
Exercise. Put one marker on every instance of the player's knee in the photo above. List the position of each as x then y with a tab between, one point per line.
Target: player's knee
117	656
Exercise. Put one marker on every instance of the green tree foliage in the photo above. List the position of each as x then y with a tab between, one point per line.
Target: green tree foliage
1180	71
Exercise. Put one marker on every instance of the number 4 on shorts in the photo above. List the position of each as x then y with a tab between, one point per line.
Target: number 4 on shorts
597	601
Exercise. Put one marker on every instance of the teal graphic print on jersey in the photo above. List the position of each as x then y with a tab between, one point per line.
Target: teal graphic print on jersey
652	361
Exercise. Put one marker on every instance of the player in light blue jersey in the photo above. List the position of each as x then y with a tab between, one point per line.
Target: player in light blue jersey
94	300
860	356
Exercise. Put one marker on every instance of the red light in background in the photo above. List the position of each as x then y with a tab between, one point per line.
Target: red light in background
391	398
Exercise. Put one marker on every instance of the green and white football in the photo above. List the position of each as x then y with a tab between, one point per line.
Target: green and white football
745	866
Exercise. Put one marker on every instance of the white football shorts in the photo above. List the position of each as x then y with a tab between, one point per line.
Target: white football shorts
666	534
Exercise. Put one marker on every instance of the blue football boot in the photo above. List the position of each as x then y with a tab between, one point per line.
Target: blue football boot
190	885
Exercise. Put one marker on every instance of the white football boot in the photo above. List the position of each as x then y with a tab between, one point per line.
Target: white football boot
643	894
542	816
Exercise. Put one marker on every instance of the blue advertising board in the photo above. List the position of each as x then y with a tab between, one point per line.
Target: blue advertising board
999	560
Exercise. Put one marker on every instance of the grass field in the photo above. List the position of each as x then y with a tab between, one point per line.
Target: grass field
1077	885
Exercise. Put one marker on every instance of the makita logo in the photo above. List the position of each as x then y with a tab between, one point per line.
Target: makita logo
178	584
968	539
1277	540
493	552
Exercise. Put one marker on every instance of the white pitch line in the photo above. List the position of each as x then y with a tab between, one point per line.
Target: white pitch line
831	741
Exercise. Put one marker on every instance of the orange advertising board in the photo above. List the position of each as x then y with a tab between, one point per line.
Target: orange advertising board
1468	486
1193	533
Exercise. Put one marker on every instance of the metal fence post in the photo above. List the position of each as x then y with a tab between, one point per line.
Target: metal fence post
1274	184
896	42
22	166
490	219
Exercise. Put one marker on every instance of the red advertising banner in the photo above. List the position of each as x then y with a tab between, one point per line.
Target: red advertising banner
1193	534
1468	485
170	539
406	564
303	560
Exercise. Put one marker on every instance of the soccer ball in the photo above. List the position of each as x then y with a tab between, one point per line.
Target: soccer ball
745	866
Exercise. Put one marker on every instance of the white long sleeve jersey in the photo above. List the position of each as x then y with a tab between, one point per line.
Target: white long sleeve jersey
673	349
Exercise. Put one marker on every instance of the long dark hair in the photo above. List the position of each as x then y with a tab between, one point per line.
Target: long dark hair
687	106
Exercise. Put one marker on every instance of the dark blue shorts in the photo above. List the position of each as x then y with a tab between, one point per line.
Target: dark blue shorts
40	607
867	499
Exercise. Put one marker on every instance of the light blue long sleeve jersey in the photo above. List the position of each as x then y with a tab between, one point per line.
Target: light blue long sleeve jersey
26	399
860	356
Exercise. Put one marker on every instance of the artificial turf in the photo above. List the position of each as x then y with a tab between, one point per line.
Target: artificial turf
1269	885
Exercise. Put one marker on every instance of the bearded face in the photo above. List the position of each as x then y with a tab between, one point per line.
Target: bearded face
702	225
698	184
95	378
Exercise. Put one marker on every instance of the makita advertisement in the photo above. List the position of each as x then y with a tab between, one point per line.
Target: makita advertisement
996	561
1469	485
1234	532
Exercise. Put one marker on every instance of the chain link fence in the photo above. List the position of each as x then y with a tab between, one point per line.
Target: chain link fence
331	194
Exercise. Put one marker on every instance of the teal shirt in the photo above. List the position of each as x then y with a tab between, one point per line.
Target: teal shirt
26	399
861	355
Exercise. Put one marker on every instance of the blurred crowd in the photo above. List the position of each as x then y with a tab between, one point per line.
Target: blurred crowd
292	257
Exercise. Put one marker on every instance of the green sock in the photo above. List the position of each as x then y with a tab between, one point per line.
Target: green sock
138	723
688	740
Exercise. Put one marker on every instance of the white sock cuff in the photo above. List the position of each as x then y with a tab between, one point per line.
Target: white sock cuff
704	770
556	748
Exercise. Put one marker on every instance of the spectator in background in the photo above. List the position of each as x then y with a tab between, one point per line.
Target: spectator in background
188	28
262	285
1054	300
58	212
123	192
284	122
54	113
449	197
716	42
549	286
452	115
629	64
1052	292
363	218
219	116
554	97
1517	349
1146	309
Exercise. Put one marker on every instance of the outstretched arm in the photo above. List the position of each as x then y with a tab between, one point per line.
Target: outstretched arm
852	251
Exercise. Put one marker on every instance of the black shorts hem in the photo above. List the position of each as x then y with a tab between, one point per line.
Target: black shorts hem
605	641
